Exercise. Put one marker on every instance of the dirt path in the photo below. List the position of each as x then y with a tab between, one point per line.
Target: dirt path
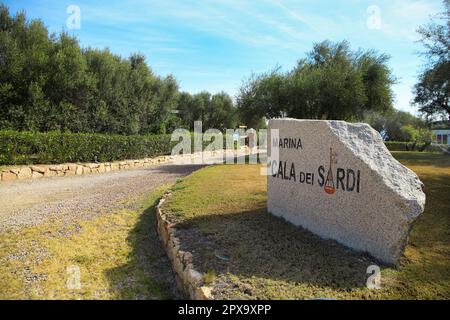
30	202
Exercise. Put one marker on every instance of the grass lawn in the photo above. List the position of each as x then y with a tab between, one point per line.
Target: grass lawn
118	254
246	253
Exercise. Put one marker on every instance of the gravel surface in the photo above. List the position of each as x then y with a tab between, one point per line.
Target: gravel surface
30	202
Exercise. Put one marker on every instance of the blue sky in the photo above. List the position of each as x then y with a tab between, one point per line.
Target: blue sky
215	45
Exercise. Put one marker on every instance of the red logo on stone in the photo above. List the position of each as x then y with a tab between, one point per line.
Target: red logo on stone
329	183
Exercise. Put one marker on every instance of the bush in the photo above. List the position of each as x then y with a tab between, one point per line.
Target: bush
406	146
56	147
396	145
17	148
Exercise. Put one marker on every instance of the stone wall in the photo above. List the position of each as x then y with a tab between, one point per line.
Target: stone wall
189	280
71	169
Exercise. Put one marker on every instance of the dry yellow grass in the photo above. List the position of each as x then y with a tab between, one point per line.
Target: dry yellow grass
118	254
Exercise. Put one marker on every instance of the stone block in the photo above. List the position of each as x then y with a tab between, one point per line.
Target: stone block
24	173
339	181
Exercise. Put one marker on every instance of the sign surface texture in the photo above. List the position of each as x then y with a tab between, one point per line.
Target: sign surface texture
339	181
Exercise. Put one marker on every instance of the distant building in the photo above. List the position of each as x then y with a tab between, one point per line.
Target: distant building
441	132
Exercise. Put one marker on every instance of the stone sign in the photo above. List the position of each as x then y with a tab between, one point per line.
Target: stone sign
339	181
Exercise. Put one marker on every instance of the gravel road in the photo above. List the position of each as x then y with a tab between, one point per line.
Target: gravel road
30	202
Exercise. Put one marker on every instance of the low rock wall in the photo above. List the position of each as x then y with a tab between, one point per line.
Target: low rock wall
189	280
71	169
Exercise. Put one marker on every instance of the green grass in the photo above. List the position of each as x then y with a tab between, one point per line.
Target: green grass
221	211
119	256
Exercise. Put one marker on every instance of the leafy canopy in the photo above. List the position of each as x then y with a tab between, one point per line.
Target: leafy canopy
332	82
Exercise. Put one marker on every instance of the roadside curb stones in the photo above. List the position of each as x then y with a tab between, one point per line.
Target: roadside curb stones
188	279
339	181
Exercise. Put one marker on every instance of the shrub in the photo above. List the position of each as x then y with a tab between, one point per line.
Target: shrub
406	146
56	147
17	148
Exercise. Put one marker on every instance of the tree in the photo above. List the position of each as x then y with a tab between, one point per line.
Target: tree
48	82
433	89
259	97
215	111
24	56
221	112
332	82
391	125
68	87
418	138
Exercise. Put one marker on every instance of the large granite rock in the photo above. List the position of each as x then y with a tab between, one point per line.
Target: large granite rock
339	181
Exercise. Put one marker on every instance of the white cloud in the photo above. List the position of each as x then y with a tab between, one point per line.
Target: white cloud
401	18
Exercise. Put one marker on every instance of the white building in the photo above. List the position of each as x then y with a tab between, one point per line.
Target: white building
442	135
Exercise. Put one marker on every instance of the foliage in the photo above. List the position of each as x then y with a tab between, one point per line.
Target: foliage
401	130
407	146
390	124
27	147
432	92
420	138
48	82
333	82
56	147
215	111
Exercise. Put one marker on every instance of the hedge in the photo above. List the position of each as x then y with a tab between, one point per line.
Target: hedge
402	146
17	148
56	147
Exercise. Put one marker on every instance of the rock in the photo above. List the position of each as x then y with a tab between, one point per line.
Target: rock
339	181
37	174
188	258
8	176
57	168
114	166
72	170
15	170
101	168
123	165
177	265
49	173
194	277
86	170
92	165
38	169
163	232
203	293
79	170
25	173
